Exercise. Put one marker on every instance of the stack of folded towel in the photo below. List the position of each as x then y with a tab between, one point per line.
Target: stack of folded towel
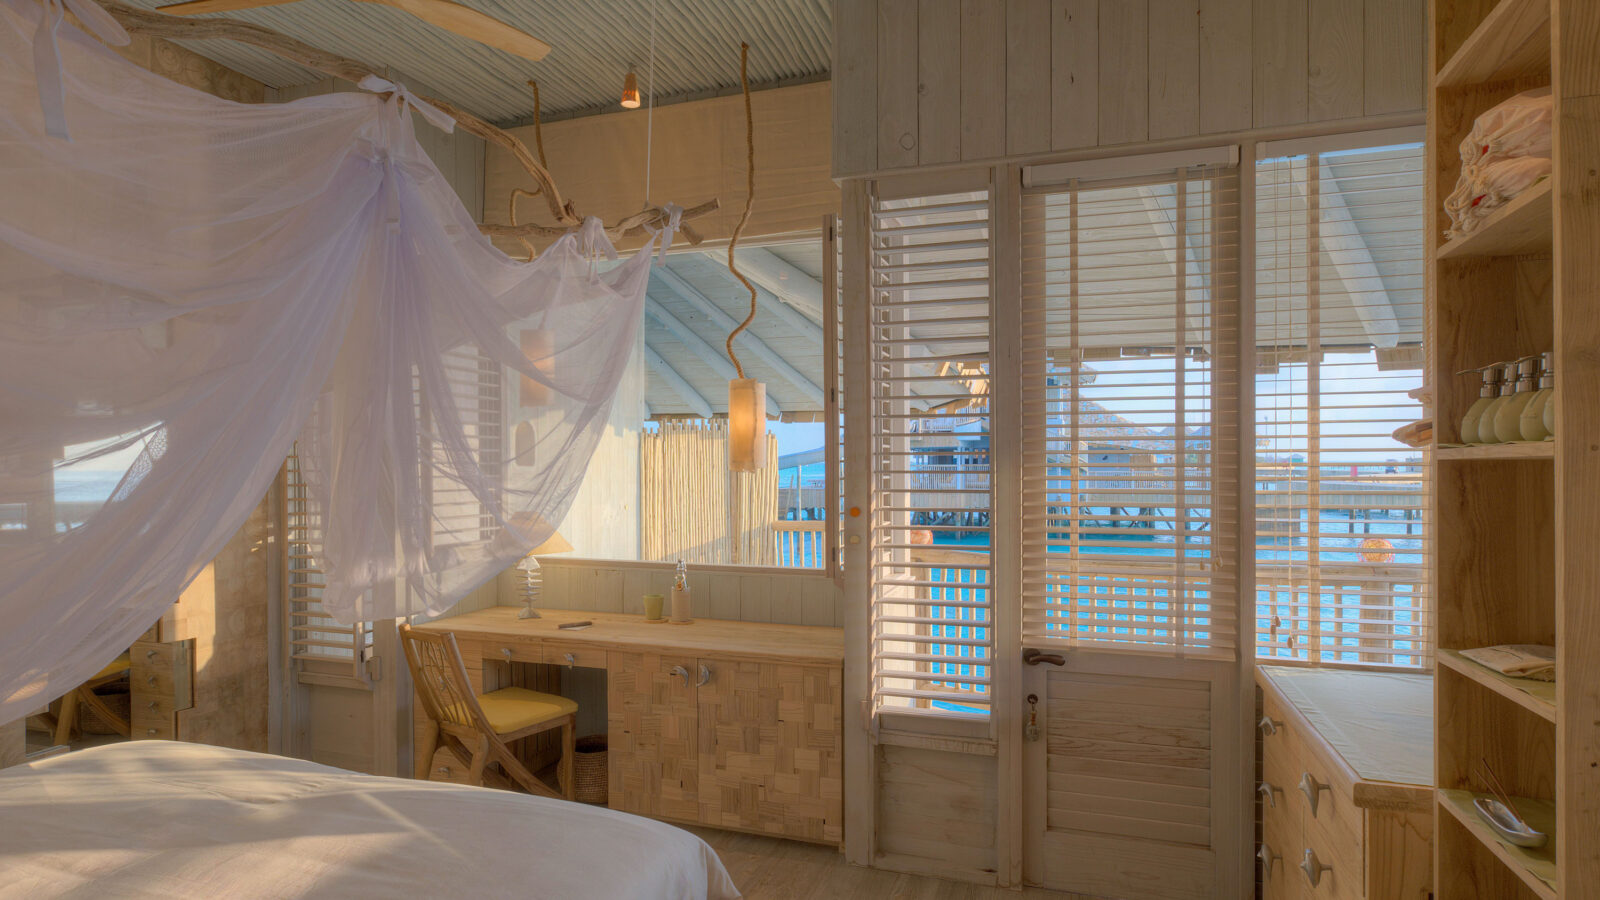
1535	661
1506	152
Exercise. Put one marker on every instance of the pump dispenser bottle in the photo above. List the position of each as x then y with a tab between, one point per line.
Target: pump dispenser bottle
1505	375
1508	415
1490	377
1533	414
1550	405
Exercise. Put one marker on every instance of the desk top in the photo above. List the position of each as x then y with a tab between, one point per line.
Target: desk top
613	631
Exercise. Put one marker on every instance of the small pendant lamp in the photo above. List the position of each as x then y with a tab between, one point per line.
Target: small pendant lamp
630	91
747	425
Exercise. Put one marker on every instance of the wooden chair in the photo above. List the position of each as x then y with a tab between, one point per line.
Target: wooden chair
84	695
480	727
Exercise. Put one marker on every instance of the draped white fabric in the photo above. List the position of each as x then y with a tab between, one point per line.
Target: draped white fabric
188	285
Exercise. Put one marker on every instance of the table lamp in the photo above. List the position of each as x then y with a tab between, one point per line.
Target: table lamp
531	580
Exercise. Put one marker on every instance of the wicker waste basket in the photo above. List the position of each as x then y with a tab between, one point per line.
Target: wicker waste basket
589	769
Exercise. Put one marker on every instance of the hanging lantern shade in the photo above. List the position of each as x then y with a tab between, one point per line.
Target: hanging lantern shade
630	91
747	425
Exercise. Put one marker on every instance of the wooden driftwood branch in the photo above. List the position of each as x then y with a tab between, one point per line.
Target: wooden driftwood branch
160	25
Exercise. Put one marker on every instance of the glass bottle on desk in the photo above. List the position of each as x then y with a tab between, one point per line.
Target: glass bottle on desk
1508	416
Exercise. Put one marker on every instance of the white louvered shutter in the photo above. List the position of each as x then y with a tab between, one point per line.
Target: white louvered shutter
1341	507
320	649
931	361
1130	412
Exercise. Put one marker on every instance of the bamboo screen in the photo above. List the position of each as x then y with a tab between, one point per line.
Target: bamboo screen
692	507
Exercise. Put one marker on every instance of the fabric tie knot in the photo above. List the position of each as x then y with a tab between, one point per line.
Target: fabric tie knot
674	214
400	94
47	54
593	242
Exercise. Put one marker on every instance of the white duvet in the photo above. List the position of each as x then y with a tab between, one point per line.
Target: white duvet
152	819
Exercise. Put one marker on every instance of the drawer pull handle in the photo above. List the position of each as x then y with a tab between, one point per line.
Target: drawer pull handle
571	660
151	679
150	654
155	706
705	675
506	652
680	670
1313	789
1269	726
445	771
1268	860
1266	789
1314	867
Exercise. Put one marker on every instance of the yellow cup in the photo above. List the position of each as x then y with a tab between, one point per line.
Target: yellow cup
652	607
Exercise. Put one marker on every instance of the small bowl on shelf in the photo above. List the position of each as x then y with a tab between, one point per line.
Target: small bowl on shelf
1508	824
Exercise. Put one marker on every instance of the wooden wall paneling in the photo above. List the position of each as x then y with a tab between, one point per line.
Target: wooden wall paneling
1028	76
1226	51
938	81
755	598
983	79
1280	61
855	88
1174	56
1336	61
770	749
1393	68
897	83
1074	73
652	760
1124	104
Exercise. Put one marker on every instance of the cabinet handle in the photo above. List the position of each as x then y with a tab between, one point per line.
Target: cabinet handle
1313	867
1313	789
1269	726
506	652
705	675
680	670
1268	860
571	660
150	654
1266	789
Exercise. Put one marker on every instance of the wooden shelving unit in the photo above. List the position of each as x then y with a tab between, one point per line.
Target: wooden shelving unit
1516	525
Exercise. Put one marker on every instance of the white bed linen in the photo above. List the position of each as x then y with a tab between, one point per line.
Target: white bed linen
164	819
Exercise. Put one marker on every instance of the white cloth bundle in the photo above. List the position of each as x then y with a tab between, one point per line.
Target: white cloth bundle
1535	661
189	285
1506	152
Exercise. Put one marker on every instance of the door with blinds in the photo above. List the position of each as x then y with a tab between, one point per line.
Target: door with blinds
1130	385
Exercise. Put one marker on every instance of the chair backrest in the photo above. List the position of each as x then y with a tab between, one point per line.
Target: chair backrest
440	677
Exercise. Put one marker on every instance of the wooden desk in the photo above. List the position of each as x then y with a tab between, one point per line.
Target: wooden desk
731	724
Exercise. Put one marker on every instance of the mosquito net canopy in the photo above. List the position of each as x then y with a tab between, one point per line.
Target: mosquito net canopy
189	286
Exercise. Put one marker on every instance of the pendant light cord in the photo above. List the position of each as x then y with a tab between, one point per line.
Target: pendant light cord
650	111
749	197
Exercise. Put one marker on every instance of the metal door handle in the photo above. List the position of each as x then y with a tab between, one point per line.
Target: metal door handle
1313	867
1266	789
1313	789
680	670
1269	726
705	675
1034	657
1268	860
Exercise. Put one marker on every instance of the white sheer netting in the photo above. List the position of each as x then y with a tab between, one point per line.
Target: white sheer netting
189	285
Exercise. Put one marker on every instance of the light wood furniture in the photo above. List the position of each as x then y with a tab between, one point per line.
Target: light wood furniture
84	695
731	724
1516	525
480	727
1330	829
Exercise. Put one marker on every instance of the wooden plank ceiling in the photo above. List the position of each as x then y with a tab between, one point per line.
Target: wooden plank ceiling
595	42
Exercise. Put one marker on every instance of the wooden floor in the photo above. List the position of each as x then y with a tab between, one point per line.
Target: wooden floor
770	869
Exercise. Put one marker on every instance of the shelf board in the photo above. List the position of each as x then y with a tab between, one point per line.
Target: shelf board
1518	450
1513	40
1537	697
1525	225
1536	868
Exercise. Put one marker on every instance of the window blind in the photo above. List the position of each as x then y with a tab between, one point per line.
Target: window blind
931	366
1130	413
320	649
1342	534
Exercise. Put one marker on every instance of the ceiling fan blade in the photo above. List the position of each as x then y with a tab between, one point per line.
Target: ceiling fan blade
469	23
196	7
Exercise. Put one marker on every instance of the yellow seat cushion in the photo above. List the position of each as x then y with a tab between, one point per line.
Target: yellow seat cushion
116	666
513	708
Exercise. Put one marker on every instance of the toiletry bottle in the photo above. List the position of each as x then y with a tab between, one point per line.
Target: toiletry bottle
1508	417
680	595
1505	386
1489	376
1533	414
1550	405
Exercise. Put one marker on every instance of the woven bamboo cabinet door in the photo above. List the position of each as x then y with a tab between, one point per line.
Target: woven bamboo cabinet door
654	763
770	749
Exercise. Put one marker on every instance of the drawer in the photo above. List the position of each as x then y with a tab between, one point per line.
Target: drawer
1343	878
556	654
1281	845
509	651
1333	811
447	767
161	681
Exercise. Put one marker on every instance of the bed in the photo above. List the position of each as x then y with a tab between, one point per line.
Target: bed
165	819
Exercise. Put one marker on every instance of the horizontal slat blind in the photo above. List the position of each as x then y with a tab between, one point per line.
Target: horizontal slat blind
1341	507
477	399
318	646
1130	335
931	615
